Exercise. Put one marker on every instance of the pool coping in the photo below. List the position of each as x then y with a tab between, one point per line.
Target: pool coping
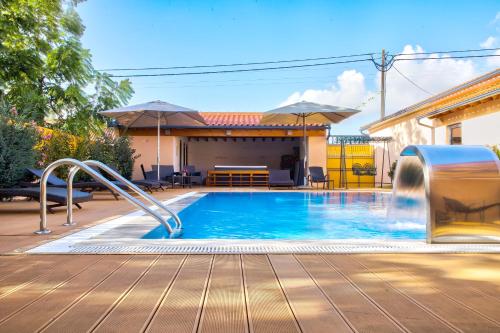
91	241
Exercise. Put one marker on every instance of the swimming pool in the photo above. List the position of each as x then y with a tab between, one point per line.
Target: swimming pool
295	216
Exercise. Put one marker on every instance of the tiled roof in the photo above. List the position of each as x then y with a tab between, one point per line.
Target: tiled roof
232	118
242	119
436	98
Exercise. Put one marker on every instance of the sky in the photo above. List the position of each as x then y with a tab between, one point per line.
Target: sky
148	33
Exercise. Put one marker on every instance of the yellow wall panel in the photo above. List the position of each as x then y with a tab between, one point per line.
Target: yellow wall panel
362	155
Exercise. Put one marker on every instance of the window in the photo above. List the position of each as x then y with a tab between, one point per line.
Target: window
455	132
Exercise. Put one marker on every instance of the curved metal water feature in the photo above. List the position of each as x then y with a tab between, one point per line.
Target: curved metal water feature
457	188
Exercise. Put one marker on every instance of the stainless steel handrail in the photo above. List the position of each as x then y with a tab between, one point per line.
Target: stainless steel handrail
122	180
99	177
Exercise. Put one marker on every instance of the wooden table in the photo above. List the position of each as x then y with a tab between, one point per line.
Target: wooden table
238	178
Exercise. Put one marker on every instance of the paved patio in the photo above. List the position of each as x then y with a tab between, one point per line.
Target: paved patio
235	293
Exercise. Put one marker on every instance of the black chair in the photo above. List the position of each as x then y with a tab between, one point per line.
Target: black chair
280	178
167	172
196	177
54	194
317	176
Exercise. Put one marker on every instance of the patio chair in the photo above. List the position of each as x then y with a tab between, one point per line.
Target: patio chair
85	186
280	178
167	173
196	177
54	194
317	176
152	176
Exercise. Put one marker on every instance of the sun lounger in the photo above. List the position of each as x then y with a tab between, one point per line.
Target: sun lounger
280	178
54	194
86	186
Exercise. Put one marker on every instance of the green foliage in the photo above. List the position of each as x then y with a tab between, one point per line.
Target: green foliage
125	156
16	151
392	171
115	152
496	150
46	73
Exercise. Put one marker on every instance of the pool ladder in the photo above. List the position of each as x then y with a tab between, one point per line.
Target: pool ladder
86	166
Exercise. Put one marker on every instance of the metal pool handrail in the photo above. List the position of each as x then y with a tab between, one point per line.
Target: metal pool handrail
77	165
123	180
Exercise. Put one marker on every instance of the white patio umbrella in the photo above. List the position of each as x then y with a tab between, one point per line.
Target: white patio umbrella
155	114
307	114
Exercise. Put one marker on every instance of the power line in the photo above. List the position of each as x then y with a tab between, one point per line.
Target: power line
244	69
411	81
235	64
452	51
290	60
450	57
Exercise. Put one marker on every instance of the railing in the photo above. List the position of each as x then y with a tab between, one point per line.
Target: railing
84	166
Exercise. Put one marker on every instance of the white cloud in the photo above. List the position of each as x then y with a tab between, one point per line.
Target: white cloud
351	90
494	61
489	42
496	19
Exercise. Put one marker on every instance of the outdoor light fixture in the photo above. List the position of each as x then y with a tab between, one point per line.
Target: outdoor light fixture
167	132
228	132
289	132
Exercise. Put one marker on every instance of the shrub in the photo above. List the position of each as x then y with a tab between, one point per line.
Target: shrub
16	151
392	170
115	152
125	156
496	150
54	145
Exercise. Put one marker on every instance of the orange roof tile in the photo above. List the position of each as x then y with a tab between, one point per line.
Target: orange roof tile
246	119
232	118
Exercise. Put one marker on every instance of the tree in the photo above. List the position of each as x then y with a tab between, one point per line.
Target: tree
46	71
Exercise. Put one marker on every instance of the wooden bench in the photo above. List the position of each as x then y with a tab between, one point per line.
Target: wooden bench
226	176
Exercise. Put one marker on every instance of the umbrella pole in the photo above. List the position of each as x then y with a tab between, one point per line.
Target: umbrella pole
158	147
306	162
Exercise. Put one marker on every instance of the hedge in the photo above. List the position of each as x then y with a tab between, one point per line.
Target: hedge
16	151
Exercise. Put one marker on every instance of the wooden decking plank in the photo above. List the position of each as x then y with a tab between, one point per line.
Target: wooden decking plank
268	309
7	263
180	309
455	304
34	268
41	312
224	309
312	310
361	311
409	313
85	313
143	298
56	276
477	272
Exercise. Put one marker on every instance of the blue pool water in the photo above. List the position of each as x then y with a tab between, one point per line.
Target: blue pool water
294	215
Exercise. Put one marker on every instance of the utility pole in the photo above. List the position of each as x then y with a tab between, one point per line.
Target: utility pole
382	87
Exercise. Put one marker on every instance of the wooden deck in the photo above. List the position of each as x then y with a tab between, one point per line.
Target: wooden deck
250	293
236	293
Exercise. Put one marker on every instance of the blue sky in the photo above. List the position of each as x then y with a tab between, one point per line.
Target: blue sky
126	33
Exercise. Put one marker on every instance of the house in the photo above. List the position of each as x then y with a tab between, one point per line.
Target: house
467	114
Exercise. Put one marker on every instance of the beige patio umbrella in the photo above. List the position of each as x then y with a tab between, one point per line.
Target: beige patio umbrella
155	114
307	114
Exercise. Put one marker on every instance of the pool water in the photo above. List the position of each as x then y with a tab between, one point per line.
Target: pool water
294	215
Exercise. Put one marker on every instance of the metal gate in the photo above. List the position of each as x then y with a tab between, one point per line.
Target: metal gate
351	165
